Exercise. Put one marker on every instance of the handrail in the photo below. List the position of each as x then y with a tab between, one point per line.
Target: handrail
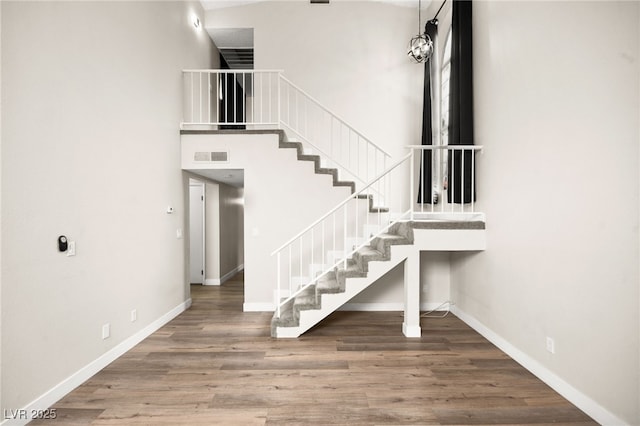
339	206
267	99
299	250
335	264
314	100
302	268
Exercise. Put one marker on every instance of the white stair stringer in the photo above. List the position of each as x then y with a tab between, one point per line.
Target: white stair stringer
369	264
331	302
337	287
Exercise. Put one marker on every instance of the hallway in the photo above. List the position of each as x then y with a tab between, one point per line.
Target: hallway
215	364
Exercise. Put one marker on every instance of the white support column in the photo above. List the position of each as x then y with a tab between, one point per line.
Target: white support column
411	324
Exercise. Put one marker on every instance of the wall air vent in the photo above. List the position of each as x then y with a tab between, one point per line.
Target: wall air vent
215	157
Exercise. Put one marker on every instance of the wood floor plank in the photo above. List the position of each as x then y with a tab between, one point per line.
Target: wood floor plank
508	415
217	365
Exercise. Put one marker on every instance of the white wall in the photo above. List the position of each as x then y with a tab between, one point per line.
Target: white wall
388	292
351	56
557	109
91	95
281	197
1	405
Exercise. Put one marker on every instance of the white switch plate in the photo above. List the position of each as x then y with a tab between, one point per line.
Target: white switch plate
551	345
71	249
134	315
179	233
106	331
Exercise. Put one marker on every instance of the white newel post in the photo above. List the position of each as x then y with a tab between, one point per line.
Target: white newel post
411	324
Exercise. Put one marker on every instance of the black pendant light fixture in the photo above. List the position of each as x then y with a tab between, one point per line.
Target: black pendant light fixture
421	45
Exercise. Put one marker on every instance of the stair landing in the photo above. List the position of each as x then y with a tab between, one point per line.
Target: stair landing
402	241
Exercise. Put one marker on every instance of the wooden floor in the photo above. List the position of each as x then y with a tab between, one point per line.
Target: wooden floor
215	364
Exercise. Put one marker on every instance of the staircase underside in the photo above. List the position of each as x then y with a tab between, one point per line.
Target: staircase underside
369	264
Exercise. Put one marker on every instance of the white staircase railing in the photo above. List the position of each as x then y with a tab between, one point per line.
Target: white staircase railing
452	169
317	127
331	240
265	99
231	98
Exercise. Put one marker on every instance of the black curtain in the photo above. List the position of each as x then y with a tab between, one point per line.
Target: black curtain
461	104
425	185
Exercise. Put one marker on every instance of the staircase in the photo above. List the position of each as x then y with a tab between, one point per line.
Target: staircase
341	284
367	265
317	162
369	233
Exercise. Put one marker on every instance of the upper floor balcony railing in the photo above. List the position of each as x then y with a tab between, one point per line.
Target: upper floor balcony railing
265	99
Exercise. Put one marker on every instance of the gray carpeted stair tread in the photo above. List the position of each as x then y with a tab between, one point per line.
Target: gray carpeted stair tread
367	254
306	300
299	147
352	270
317	166
403	229
383	242
448	224
372	208
286	319
328	284
378	210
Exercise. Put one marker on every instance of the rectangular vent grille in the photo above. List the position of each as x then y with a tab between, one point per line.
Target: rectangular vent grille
220	156
216	156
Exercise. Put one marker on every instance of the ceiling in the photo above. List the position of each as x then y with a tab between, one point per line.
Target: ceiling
236	44
218	4
233	177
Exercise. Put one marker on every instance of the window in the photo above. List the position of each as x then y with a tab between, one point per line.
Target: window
444	108
444	102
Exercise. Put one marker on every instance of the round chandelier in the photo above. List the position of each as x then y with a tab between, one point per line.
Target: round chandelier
420	46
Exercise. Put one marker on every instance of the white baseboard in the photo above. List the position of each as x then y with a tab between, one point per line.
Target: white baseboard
360	307
577	398
56	393
230	274
225	277
386	307
258	307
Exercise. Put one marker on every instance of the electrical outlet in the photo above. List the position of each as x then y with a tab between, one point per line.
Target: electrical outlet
134	315
551	345
106	331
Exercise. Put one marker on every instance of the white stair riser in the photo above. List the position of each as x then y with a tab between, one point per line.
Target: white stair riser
354	285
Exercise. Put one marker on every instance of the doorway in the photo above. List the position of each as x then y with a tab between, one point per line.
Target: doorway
196	231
